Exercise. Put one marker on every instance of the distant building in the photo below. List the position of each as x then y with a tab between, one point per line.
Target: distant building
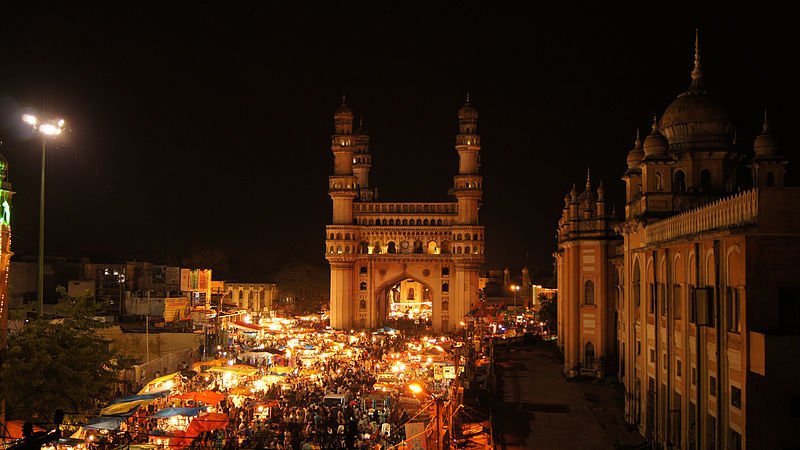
704	292
253	297
5	248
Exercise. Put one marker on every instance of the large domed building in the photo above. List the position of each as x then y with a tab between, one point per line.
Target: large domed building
692	297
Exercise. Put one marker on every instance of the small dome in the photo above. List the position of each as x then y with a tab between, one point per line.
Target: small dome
697	118
766	144
655	145
343	111
636	154
467	112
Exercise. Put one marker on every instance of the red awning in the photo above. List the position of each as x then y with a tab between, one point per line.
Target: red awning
207	397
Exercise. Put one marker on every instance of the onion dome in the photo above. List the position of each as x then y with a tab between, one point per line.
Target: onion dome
343	110
636	154
697	118
766	144
655	145
567	198
467	112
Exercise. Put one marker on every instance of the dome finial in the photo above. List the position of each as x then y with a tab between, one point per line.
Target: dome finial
697	70
765	126
654	127
588	178
637	135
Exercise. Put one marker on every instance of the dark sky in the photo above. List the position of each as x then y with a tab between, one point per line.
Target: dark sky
209	127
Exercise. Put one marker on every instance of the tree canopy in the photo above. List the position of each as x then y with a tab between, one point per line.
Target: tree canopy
60	363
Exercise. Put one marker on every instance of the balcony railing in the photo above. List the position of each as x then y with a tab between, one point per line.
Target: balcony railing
734	211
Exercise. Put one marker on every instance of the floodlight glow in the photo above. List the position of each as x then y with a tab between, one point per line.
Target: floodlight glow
29	119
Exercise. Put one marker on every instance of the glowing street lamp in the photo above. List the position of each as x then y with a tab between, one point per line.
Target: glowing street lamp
515	289
417	388
47	129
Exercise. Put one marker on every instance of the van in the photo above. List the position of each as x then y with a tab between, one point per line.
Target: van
334	400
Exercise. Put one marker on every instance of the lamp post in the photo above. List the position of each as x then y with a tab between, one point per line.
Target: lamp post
515	289
417	388
47	129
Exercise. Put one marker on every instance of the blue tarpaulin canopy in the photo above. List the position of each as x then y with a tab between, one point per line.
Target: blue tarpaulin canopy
134	398
309	347
171	412
104	423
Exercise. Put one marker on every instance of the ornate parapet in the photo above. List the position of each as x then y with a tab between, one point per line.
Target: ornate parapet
730	212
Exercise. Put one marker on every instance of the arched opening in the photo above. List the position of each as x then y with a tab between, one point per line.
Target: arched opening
679	184
445	247
438	221
392	248
405	222
363	286
588	356
432	250
418	247
425	222
362	270
466	250
659	182
419	222
588	293
406	304
445	271
376	249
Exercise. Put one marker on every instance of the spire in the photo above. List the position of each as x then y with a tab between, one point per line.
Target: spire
344	98
638	138
697	70
765	127
654	127
601	192
588	177
468	97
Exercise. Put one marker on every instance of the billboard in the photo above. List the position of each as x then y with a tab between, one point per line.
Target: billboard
194	280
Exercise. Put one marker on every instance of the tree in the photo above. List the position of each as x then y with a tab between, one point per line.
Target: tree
548	312
59	364
306	284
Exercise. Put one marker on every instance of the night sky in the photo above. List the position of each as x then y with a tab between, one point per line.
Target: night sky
209	128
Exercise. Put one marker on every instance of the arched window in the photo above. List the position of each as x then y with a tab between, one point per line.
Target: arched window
338	235
445	271
425	222
347	236
262	295
405	221
362	304
362	270
475	236
466	237
377	248
392	247
241	295
659	182
333	236
445	306
705	181
445	287
458	237
588	293
637	299
410	295
589	356
384	222
391	222
466	250
438	221
363	286
770	179
458	250
419	222
679	185
418	247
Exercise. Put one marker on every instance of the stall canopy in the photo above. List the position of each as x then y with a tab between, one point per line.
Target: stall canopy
15	429
133	398
104	423
159	384
235	370
207	397
207	422
172	412
122	409
280	370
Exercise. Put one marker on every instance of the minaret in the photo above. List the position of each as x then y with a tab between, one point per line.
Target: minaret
362	162
468	190
342	187
341	234
468	184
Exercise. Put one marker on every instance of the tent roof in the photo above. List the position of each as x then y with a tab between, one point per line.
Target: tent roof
171	412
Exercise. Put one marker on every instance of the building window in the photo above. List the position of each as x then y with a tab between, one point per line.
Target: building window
736	397
732	310
363	286
250	295
588	293
659	182
445	287
735	441
651	293
636	278
712	386
694	375
589	355
652	356
677	301
362	304
445	306
445	271
241	295
679	185
638	348
362	270
678	368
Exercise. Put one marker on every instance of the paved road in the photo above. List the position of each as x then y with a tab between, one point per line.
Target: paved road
535	407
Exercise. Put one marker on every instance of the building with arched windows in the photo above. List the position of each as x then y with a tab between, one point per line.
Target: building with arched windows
698	304
376	248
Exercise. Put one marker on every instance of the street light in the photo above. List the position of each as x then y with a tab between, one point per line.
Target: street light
417	388
515	289
47	129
